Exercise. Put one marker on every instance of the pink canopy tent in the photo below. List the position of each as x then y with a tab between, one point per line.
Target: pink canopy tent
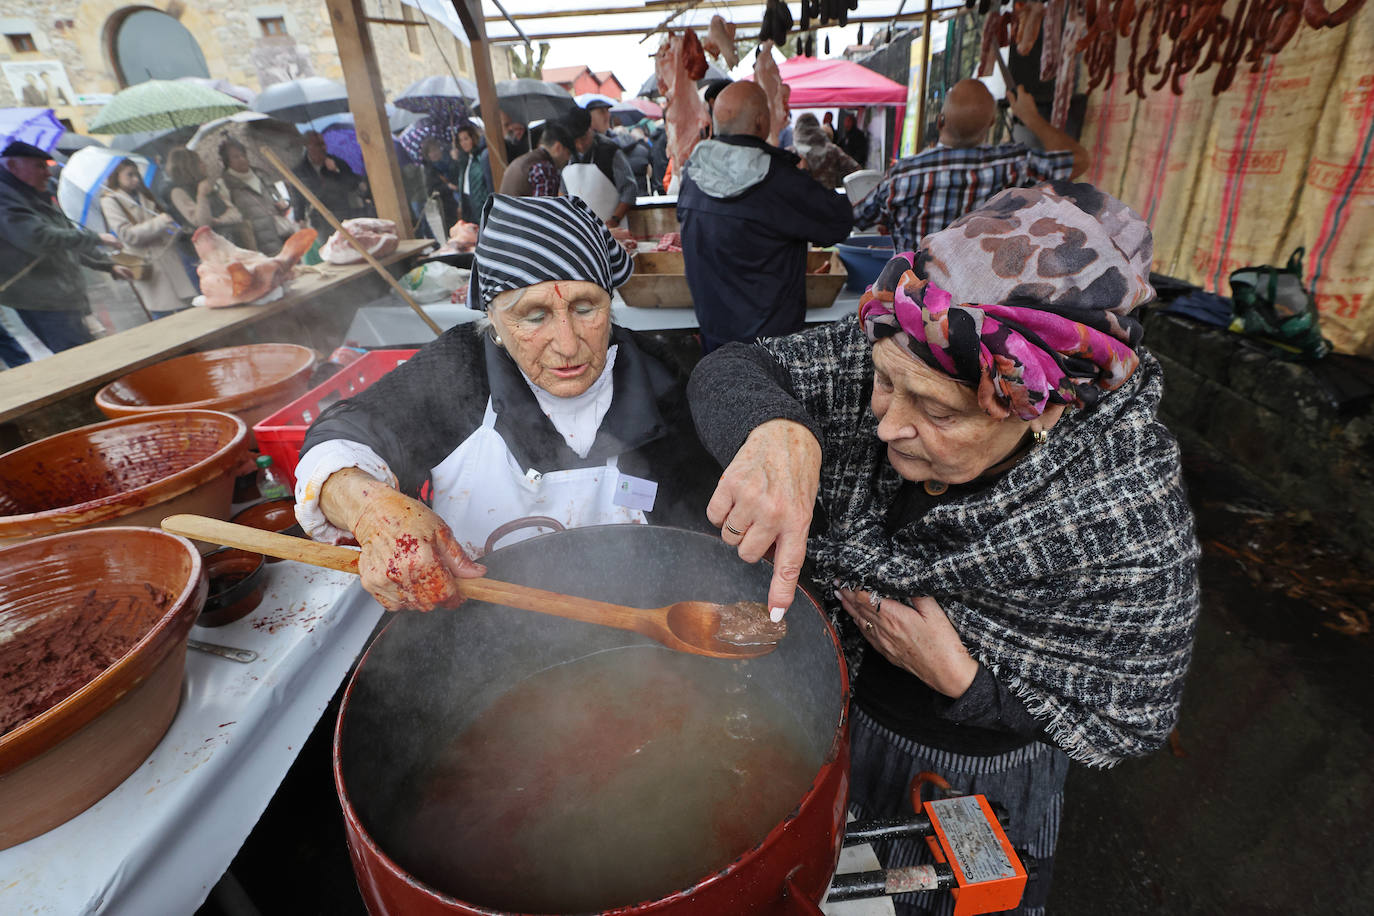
840	83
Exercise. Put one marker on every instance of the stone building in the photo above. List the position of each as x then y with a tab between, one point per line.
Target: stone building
71	55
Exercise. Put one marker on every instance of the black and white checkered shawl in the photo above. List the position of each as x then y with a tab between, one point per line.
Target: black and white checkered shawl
1073	578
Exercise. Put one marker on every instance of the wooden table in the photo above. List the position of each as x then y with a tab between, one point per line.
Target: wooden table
44	382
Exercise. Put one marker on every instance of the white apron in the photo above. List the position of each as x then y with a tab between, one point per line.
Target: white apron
585	180
479	487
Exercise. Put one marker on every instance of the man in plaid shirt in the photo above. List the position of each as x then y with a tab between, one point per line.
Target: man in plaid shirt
924	193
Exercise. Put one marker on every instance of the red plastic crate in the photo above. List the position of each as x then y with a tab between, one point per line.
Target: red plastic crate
283	433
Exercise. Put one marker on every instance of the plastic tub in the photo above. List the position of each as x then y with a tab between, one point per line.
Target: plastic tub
864	257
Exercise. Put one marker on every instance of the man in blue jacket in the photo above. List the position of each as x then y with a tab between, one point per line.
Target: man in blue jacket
747	213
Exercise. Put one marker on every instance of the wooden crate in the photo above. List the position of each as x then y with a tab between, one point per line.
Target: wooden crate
660	281
652	221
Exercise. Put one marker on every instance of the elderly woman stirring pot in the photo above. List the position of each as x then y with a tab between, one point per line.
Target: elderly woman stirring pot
979	467
547	409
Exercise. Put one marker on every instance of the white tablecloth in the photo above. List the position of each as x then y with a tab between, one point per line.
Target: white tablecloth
161	840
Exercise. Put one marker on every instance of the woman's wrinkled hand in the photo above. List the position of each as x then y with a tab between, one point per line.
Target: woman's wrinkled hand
917	637
410	559
765	499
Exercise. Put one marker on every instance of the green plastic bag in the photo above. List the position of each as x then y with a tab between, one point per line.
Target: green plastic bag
1272	304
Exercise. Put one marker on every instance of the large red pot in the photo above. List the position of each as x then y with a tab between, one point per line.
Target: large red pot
427	676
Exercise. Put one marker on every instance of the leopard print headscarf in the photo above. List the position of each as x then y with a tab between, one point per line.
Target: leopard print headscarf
1027	299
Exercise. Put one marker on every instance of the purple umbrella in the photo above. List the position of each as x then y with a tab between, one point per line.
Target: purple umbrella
442	130
35	126
341	141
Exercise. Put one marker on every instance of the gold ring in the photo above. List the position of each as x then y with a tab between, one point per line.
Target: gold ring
869	626
734	531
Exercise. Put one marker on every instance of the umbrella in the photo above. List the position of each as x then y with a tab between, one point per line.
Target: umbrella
397	120
37	126
242	93
413	136
527	100
83	178
341	141
303	99
160	105
636	109
70	143
586	97
252	129
446	97
153	143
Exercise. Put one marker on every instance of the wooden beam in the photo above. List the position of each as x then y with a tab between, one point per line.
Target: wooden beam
470	14
365	100
641	29
651	6
925	77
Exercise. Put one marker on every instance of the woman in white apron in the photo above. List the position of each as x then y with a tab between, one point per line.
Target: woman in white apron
546	410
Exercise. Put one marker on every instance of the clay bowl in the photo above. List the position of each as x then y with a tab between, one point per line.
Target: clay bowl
277	515
236	586
252	382
131	471
110	608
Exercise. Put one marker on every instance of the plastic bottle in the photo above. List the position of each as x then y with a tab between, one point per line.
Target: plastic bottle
270	483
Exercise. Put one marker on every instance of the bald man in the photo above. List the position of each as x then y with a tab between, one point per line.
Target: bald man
747	213
926	192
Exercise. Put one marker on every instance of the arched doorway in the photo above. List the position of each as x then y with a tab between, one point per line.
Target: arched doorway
148	44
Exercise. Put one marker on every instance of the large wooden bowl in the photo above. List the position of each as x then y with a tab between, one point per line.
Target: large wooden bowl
251	382
138	587
131	471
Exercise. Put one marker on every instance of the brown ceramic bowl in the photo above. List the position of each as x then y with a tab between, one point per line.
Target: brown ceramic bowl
236	586
96	669
252	382
277	515
130	471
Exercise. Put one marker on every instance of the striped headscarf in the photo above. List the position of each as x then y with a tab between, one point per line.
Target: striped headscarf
1027	299
528	240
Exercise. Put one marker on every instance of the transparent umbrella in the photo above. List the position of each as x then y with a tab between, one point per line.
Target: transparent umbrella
446	97
83	177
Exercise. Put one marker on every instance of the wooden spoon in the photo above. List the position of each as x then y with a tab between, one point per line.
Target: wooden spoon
740	630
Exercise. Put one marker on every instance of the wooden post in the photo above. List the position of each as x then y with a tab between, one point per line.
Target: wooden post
470	14
925	75
368	105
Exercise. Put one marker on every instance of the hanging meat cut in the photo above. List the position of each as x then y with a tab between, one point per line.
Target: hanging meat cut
720	41
684	112
770	81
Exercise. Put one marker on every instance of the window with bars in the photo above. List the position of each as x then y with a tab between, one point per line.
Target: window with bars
20	43
273	25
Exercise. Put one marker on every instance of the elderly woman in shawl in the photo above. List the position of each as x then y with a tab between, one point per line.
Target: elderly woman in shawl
997	517
541	410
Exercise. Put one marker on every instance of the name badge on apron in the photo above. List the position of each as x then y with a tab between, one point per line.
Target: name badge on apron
635	493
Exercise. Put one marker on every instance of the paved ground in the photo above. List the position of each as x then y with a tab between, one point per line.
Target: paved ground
1263	806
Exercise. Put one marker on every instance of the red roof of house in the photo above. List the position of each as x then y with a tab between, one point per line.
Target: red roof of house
565	74
603	75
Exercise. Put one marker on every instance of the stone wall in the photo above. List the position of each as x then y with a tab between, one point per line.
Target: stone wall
1303	431
77	35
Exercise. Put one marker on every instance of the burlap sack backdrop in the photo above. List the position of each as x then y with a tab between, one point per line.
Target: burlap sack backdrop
1279	160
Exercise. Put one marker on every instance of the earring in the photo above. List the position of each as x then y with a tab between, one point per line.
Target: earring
1040	436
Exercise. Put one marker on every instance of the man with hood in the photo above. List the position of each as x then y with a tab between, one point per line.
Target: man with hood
747	213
